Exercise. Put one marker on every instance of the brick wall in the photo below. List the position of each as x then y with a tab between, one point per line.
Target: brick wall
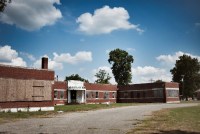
105	87
25	104
25	73
101	89
60	86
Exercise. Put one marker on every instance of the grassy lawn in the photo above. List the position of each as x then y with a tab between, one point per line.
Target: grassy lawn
7	117
171	121
87	107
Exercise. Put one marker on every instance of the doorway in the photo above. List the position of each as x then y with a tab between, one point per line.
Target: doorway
73	96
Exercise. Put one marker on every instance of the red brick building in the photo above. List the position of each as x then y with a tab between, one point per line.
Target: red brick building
100	93
166	92
26	89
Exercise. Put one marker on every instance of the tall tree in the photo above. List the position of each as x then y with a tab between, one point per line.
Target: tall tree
187	73
102	77
75	77
3	4
121	66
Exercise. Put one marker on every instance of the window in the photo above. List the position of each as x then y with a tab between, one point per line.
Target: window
144	94
61	94
106	95
172	93
87	94
158	93
125	94
97	95
138	95
114	95
132	94
55	94
93	94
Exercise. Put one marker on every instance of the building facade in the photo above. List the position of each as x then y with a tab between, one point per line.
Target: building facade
28	89
25	89
166	92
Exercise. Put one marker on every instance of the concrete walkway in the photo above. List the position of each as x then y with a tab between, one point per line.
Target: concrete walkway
105	121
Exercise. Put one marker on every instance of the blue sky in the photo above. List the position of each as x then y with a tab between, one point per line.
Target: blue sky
77	35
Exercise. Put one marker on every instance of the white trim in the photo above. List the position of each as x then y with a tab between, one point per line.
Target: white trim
141	90
76	88
60	89
173	102
59	99
172	88
143	98
30	109
99	91
100	99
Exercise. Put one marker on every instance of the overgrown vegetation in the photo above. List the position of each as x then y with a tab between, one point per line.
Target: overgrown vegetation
171	121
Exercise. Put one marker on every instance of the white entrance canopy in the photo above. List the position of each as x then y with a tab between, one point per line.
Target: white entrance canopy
76	85
76	92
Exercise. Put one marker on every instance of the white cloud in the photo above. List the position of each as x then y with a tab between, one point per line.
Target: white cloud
81	56
170	60
147	73
107	69
31	14
130	49
51	64
29	56
197	24
56	63
105	20
9	56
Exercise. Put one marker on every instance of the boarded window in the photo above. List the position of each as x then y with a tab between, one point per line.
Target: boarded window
61	94
87	94
55	94
106	95
158	93
172	93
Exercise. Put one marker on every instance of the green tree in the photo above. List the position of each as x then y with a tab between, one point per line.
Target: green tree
121	66
3	4
102	77
187	73
75	77
158	81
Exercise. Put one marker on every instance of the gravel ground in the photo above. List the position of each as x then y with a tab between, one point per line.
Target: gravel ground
105	121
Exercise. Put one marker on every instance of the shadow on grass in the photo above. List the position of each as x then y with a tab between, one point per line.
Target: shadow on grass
176	132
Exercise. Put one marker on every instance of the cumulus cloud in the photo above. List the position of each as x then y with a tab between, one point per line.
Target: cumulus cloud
107	69
29	56
9	56
81	56
148	73
170	60
51	63
58	60
31	15
105	20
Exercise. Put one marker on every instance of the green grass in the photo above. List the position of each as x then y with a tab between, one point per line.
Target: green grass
87	107
6	117
171	121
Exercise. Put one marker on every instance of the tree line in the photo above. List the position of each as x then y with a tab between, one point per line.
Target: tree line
186	72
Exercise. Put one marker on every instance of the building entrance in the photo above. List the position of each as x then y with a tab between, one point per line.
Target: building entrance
73	96
76	92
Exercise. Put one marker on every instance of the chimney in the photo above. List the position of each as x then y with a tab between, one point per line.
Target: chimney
44	63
